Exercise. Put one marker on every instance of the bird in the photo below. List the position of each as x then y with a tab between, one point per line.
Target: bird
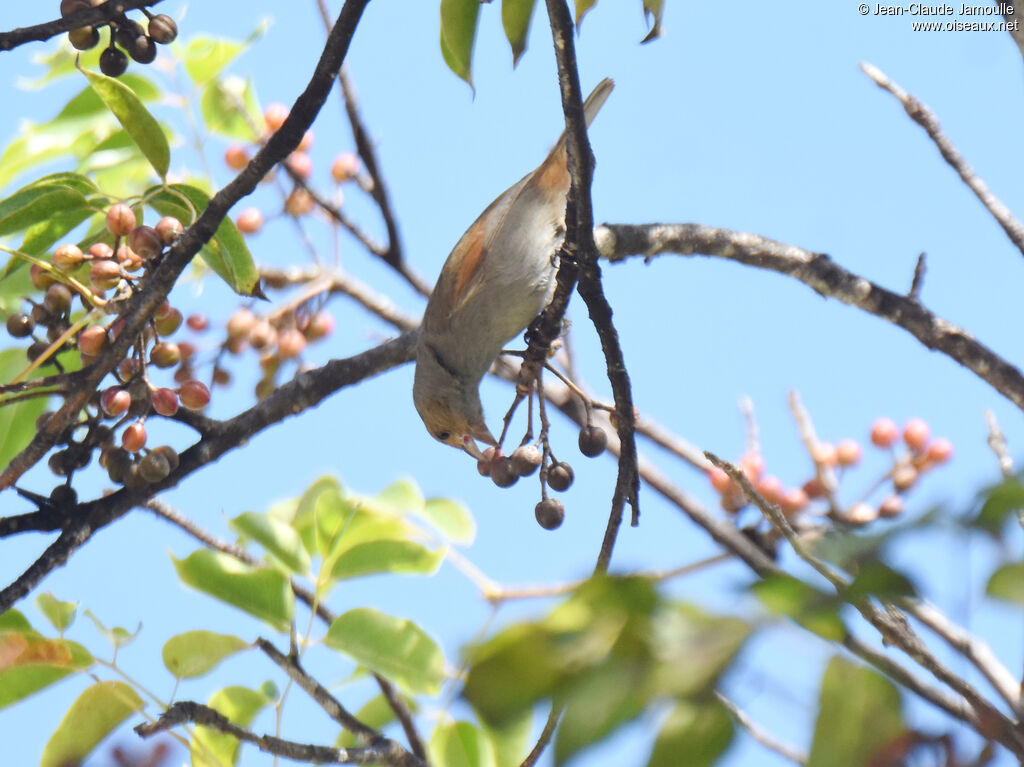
497	279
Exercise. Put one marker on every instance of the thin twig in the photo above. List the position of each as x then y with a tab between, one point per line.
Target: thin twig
926	118
545	736
997	444
761	735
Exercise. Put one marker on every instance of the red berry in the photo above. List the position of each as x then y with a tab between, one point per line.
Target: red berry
92	340
290	343
133	439
307	141
752	466
100	250
240	323
146	242
115	401
891	507
169	228
813	488
165	402
320	326
299	202
197	322
194	395
916	434
68	257
300	163
884	433
904	477
861	514
770	488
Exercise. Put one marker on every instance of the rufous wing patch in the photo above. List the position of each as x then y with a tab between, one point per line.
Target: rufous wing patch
469	273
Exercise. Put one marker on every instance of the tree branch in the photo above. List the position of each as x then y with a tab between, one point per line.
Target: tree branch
827	278
92	16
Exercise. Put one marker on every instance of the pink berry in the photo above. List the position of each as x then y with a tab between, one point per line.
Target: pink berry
249	221
719	479
115	401
891	507
770	488
345	166
120	220
274	116
300	163
861	514
134	437
235	157
793	500
848	452
825	454
916	434
884	433
939	451
752	466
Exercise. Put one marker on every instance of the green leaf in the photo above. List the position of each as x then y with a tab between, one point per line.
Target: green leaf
134	118
398	498
212	748
263	592
395	648
510	741
229	108
280	539
814	610
18	419
582	6
515	18
702	731
29	662
36	203
93	716
458	33
1007	583
859	713
460	744
875	579
226	252
600	701
450	518
206	57
376	713
1002	501
386	557
60	614
117	636
14	620
195	653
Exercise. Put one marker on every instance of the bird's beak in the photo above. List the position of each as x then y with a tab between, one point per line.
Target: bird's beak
482	433
470	447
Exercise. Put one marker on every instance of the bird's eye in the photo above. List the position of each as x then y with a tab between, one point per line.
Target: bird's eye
444	436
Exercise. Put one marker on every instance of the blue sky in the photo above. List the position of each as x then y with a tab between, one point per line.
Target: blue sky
749	116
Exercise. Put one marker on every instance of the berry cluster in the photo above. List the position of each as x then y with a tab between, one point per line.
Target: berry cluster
278	337
831	461
505	471
114	261
127	37
298	202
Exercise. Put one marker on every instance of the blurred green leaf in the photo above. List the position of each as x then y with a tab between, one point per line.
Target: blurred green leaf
36	203
510	741
18	419
134	118
263	592
376	713
460	744
60	614
375	557
280	540
458	33
875	579
814	610
93	716
29	661
398	498
229	108
195	653
515	18
859	713
1007	583
206	57
117	636
226	252
395	648
702	731
450	518
1000	502
211	748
